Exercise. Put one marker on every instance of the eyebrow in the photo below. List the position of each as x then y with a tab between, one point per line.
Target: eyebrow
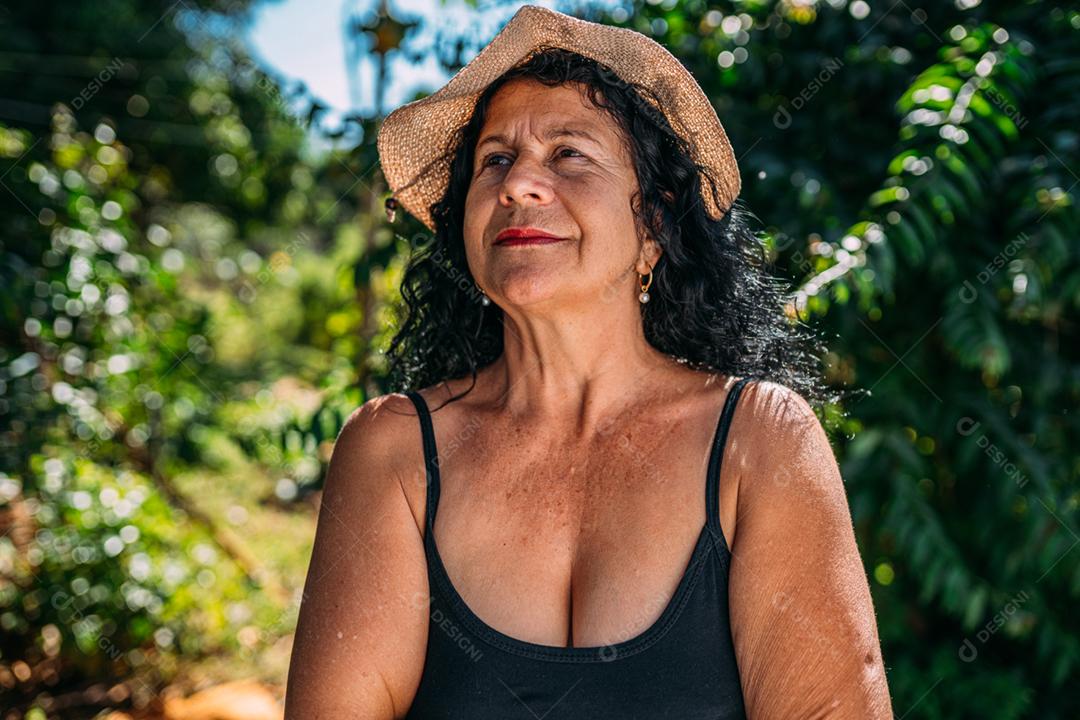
549	135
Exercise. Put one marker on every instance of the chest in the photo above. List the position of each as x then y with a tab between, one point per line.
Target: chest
572	543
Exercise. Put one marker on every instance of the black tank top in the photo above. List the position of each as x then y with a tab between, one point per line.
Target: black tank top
682	666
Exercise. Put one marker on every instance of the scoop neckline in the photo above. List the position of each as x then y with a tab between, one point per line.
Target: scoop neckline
584	653
709	539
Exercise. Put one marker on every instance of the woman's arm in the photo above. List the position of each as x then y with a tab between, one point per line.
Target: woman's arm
362	630
802	618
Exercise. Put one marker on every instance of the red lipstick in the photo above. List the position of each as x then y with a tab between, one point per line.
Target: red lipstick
525	236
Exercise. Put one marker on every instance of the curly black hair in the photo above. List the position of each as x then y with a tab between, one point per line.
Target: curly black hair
713	304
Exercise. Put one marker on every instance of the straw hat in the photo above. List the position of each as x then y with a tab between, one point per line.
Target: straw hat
415	141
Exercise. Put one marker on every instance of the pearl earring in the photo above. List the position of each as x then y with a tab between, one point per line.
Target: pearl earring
644	296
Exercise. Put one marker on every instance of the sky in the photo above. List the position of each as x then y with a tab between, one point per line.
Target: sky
305	40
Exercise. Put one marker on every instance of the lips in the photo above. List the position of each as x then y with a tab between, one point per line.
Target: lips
525	236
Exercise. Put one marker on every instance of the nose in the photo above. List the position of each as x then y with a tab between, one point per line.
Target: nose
525	183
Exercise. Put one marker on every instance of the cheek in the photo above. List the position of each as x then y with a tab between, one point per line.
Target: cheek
471	197
601	189
481	201
476	212
603	208
478	209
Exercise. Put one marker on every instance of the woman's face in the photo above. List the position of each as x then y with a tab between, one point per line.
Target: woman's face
547	159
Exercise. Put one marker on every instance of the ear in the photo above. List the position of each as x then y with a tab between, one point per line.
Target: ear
649	255
650	248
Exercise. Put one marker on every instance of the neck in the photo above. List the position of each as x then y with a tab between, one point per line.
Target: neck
578	367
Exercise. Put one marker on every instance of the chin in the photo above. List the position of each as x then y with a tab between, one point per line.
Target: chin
531	286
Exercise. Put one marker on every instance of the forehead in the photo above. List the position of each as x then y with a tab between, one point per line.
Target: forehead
530	108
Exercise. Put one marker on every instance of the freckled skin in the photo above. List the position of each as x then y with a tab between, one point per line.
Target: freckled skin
601	525
582	487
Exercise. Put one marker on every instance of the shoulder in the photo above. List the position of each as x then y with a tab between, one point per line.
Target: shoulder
378	451
376	430
383	423
380	413
780	423
789	466
777	403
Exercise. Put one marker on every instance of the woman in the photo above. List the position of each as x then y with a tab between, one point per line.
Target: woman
629	526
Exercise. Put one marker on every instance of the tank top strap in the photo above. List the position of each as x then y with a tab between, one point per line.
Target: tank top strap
431	455
716	456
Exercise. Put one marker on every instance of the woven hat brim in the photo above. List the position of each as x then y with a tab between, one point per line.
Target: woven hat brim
416	141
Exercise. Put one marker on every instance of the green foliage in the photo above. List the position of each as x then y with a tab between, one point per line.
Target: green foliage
192	302
916	171
176	295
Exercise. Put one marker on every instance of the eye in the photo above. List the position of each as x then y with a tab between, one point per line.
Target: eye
559	153
487	159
